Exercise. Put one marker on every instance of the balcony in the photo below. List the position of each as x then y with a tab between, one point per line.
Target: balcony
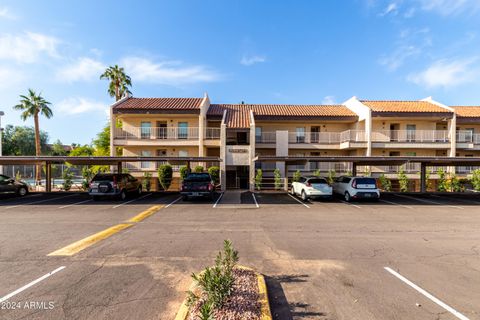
466	139
420	136
165	135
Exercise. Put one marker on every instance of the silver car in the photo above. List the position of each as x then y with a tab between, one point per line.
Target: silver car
356	188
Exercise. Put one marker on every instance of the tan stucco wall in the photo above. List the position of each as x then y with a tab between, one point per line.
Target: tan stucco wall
171	151
292	125
172	120
420	124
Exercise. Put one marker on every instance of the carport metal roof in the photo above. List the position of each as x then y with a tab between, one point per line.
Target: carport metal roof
16	160
428	161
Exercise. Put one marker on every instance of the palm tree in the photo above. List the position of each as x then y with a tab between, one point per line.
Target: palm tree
33	105
119	82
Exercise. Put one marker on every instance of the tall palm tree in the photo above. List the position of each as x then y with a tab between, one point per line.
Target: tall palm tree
33	105
119	82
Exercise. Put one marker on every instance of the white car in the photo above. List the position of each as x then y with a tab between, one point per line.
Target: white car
311	187
353	188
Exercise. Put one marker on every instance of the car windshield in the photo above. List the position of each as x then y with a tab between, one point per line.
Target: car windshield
318	181
198	177
365	181
103	177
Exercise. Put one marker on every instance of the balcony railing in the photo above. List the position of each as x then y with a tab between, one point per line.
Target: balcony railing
266	137
353	136
410	136
314	137
169	133
466	136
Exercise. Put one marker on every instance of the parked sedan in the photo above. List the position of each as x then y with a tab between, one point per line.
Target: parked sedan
311	188
355	188
114	185
10	185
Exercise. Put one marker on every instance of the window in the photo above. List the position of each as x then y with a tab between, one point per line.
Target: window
146	164
258	134
182	153
300	135
145	129
411	128
182	130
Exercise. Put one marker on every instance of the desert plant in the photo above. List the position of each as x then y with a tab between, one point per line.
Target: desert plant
442	184
277	178
18	176
402	180
198	169
258	179
296	176
428	182
165	173
67	177
147	181
455	184
331	176
476	179
317	173
215	174
385	183
183	172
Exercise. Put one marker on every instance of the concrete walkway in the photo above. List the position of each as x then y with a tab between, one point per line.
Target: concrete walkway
237	199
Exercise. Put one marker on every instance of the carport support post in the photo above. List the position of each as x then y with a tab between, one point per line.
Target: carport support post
423	177
119	167
354	169
48	177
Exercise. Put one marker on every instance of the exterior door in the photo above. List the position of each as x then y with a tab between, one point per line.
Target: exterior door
145	129
315	134
183	130
300	135
411	132
161	129
394	127
146	164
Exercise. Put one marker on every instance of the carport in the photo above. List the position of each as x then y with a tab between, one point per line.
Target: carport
372	161
47	161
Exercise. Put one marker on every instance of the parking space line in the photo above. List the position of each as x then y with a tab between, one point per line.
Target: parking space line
145	214
428	201
396	204
74	204
426	294
298	200
121	204
218	200
41	201
255	199
78	246
350	204
458	199
28	285
174	201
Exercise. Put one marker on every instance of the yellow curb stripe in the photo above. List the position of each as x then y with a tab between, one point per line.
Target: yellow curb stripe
145	214
88	241
263	299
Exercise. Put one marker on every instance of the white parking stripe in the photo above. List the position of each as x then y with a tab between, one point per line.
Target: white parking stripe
428	201
396	204
41	201
351	204
121	204
428	295
74	204
168	205
218	200
34	282
298	200
458	199
255	199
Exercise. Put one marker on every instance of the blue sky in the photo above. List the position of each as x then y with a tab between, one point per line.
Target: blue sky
298	52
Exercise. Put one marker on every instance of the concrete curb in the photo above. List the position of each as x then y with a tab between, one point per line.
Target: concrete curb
266	314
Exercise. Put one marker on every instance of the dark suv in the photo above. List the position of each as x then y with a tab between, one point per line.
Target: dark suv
114	185
197	185
10	185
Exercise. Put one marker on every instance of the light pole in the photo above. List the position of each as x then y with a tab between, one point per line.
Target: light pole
1	133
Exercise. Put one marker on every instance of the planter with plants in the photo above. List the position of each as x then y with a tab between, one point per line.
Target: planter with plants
226	291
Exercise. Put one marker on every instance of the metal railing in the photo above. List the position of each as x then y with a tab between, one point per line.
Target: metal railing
467	136
410	136
168	133
353	136
266	137
212	133
314	137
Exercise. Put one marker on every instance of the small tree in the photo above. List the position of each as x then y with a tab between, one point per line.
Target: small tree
455	184
385	183
476	179
147	181
442	181
277	177
198	169
428	182
67	177
258	179
331	176
215	174
165	174
317	173
402	180
183	172
296	176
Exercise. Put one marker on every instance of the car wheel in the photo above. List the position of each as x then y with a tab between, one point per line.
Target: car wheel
22	191
348	198
304	196
139	191
96	198
123	195
185	198
292	191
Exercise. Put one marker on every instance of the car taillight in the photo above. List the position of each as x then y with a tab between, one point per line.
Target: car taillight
354	184
210	186
308	184
183	186
114	182
90	185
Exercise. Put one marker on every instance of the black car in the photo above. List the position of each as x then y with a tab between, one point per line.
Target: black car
114	185
10	185
197	185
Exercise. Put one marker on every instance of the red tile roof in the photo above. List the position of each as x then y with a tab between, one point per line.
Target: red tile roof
159	104
467	111
403	106
238	114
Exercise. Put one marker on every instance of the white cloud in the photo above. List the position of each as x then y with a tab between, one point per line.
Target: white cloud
10	77
79	105
329	100
84	69
251	60
27	47
399	56
7	14
444	73
392	8
449	7
166	72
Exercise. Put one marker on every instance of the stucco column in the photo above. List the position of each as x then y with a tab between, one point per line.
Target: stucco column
281	150
113	151
368	133
223	166
201	135
251	172
452	132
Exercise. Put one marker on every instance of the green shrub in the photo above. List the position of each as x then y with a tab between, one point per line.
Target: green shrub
147	181
455	184
183	172
296	176
277	177
67	177
442	185
385	183
258	179
331	176
476	180
165	174
317	173
198	169
428	182
215	174
402	180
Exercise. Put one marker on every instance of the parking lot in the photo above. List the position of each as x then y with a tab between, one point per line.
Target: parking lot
404	257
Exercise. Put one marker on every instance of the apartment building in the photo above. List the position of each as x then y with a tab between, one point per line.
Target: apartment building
238	133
